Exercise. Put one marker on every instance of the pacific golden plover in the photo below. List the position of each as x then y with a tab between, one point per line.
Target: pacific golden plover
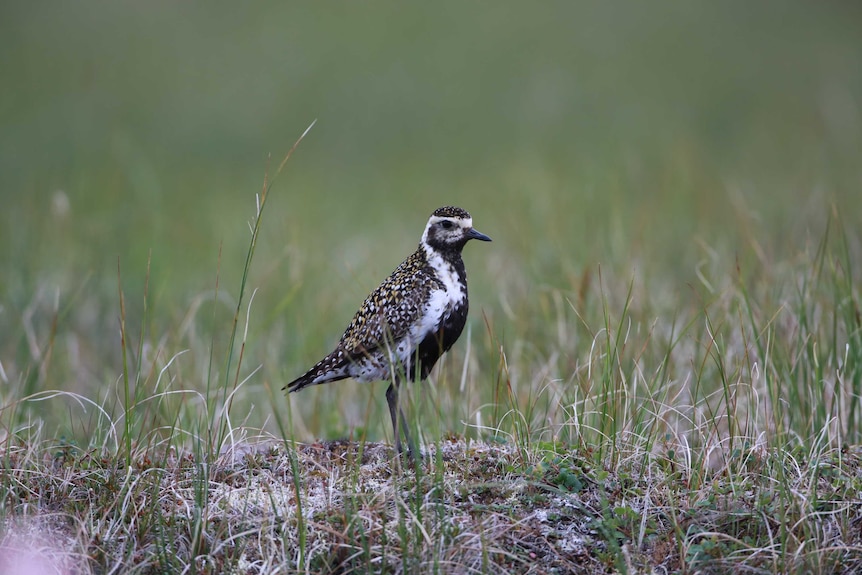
410	320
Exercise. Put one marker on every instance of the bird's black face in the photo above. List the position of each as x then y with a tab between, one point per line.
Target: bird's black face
450	233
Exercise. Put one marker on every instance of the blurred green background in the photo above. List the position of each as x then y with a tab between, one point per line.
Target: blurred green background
642	137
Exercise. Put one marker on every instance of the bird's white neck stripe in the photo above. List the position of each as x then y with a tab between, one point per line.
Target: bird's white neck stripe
446	273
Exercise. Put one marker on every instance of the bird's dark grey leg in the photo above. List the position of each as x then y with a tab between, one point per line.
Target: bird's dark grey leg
399	422
392	400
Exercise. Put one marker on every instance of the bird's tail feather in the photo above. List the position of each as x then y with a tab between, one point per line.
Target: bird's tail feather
311	377
299	383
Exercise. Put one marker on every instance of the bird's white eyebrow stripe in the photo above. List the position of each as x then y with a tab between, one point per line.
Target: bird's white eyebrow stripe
465	223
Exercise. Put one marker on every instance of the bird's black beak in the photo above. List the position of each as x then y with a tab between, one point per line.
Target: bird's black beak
474	235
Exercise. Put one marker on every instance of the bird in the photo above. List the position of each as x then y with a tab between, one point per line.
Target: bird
413	317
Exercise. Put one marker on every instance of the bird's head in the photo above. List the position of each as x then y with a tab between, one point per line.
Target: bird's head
449	228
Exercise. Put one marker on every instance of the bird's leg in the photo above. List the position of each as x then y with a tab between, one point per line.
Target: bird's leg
392	400
412	450
399	421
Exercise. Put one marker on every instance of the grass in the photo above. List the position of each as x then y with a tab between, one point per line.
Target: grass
618	431
662	367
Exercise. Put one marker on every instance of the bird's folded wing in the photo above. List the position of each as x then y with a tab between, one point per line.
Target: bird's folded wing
388	313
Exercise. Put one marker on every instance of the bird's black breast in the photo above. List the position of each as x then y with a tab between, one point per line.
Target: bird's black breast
440	341
448	331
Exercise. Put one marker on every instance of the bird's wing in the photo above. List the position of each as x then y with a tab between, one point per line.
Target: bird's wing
390	311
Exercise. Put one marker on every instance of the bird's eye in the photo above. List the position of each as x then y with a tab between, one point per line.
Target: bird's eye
446	224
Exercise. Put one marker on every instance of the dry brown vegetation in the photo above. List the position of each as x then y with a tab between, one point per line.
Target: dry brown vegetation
344	507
